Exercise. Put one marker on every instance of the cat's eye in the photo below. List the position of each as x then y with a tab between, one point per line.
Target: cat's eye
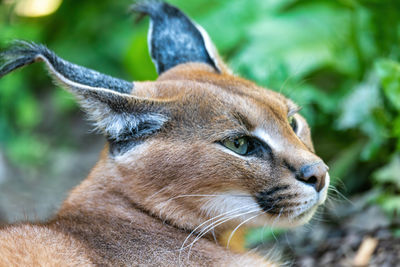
246	146
238	145
293	123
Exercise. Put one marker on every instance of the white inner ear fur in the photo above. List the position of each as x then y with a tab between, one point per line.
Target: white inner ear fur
115	125
149	36
212	51
71	84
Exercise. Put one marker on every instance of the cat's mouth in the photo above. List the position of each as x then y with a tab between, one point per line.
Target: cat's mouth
285	204
280	206
289	210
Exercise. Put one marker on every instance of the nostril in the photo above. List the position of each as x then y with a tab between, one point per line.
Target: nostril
313	174
312	180
309	180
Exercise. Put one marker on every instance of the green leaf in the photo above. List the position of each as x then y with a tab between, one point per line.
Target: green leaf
344	162
389	173
357	107
396	131
389	73
27	111
255	236
390	204
27	149
396	233
63	101
301	40
137	60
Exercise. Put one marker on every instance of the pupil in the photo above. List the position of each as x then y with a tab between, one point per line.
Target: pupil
293	123
236	143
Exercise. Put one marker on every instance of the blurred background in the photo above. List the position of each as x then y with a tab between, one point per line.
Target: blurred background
339	60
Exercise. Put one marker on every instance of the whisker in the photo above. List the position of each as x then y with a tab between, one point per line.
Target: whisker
292	76
332	188
221	221
231	212
265	225
288	242
237	227
332	196
214	225
338	182
331	205
273	223
214	236
157	192
223	215
195	195
208	195
318	218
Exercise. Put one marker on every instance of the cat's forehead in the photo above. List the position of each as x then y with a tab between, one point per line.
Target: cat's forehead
198	83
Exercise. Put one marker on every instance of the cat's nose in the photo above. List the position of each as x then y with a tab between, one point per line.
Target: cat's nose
313	174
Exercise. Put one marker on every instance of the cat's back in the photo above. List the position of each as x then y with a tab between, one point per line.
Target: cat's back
36	245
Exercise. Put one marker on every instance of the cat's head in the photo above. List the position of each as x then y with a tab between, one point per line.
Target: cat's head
199	144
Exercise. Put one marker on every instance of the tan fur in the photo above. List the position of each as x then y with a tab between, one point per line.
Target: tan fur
129	210
33	245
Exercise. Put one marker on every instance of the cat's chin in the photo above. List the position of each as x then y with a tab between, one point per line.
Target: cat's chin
301	219
305	217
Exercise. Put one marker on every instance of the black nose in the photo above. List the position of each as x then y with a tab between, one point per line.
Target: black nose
313	174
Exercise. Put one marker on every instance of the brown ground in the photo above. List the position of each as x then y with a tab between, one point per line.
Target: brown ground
335	240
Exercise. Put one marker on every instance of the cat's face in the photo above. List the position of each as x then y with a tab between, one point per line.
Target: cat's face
230	147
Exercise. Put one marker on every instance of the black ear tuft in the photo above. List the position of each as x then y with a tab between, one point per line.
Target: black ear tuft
22	53
19	55
173	38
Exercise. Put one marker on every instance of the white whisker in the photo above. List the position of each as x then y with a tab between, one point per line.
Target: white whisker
223	219
223	215
332	188
231	212
165	203
273	223
237	227
216	224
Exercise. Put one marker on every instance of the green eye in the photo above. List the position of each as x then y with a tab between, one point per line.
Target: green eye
238	145
293	123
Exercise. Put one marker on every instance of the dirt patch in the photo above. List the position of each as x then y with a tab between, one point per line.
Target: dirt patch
339	236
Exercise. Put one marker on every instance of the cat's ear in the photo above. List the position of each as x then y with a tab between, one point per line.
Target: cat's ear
174	39
109	102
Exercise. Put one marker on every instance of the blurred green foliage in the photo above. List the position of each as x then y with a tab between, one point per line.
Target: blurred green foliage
338	59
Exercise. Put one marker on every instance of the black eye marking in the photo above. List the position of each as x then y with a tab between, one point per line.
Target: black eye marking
117	148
